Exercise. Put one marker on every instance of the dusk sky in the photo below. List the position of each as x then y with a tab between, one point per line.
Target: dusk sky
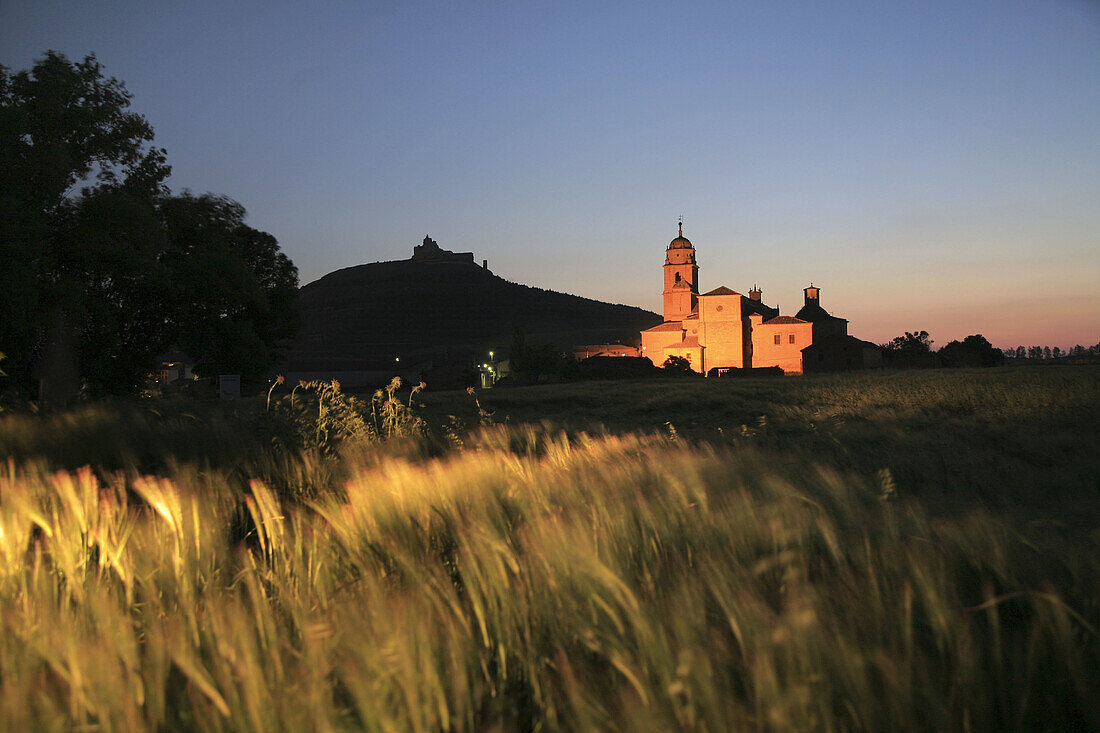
929	165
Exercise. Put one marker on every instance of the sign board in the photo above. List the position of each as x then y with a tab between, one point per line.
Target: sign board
229	386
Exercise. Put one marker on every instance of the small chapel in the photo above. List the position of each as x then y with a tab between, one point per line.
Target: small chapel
722	329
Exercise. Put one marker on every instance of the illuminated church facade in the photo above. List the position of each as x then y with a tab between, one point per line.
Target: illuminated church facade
723	329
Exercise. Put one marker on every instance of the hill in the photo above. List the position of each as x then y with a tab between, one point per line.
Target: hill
442	307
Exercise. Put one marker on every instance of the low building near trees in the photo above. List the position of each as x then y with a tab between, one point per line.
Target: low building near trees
840	353
174	367
580	353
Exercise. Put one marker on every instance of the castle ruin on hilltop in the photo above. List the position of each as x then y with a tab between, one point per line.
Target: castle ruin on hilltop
431	253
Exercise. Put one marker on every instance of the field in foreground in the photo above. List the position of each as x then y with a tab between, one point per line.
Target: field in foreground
912	551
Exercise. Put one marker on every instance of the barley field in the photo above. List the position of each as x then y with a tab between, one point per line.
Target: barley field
880	551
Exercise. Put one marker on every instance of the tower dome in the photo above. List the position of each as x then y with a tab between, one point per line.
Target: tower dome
681	242
680	250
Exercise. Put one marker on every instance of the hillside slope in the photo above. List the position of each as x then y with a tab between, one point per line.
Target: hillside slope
363	316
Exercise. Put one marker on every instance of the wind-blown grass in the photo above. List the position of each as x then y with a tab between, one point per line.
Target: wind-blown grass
539	579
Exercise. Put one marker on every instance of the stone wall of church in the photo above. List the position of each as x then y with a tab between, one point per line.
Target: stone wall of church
780	345
655	343
722	331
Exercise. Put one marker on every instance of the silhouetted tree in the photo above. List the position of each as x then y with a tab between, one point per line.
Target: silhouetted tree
1021	352
232	290
678	366
1035	352
61	124
914	349
109	265
107	277
538	363
973	351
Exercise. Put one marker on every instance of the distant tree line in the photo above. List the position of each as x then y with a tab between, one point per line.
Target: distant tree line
103	267
1048	353
914	349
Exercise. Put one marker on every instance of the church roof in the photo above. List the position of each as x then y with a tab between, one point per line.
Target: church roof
835	340
785	319
681	242
690	341
814	313
723	290
667	326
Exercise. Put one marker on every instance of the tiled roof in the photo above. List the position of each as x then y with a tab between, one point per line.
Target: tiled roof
836	340
755	306
814	312
689	341
785	319
667	326
723	290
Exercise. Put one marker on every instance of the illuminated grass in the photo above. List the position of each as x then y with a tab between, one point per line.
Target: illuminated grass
543	580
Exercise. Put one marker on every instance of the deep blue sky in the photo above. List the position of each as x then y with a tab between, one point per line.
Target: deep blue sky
928	164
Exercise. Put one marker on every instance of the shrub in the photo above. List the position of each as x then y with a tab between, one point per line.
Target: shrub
393	418
317	415
678	366
616	367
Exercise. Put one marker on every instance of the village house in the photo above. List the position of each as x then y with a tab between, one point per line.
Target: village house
580	353
723	329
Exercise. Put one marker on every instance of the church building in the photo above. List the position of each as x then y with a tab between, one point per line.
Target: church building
723	329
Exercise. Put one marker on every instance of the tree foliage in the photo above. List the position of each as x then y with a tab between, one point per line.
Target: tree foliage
678	366
1045	353
233	289
63	123
914	349
913	342
538	363
108	276
972	351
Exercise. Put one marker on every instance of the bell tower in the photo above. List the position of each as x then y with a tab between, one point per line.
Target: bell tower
681	292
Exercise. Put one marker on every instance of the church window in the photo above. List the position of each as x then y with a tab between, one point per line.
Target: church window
777	337
790	339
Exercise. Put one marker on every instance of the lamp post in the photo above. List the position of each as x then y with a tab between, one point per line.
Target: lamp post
491	366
